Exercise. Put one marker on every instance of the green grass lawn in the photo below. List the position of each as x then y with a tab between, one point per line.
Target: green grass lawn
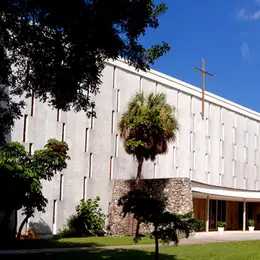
81	242
249	250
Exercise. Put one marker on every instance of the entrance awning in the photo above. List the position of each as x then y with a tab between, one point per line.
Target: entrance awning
202	190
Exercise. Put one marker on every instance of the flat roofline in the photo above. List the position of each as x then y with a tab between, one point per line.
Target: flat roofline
182	86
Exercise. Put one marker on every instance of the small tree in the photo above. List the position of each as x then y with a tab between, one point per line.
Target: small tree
21	175
146	127
88	220
149	209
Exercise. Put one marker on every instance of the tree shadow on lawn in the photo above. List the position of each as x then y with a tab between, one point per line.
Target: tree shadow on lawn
95	255
53	243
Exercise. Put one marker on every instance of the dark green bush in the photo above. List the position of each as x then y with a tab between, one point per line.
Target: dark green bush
199	225
88	220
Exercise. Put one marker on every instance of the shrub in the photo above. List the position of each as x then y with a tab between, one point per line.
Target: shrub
199	225
251	223
88	220
222	224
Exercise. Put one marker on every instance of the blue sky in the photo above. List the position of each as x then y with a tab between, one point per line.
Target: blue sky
226	33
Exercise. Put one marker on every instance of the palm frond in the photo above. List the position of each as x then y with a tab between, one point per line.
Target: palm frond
148	125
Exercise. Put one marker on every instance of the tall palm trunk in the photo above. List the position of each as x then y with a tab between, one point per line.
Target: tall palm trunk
139	171
137	186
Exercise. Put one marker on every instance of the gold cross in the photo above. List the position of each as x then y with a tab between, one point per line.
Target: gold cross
203	83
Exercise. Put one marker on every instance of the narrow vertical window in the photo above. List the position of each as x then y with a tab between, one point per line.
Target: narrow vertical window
193	122
116	146
54	212
223	131
113	122
245	183
222	166
114	77
156	87
246	138
174	156
194	161
61	186
209	145
90	165
84	197
111	167
245	155
206	162
25	128
178	100
190	174
233	168
30	148
191	141
154	169
117	100
58	115
141	84
92	119
32	104
191	104
63	134
207	127
86	140
209	110
221	148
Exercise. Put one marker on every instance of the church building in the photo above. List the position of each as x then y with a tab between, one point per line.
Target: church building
212	167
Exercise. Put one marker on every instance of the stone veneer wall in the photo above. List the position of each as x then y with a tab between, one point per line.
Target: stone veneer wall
177	190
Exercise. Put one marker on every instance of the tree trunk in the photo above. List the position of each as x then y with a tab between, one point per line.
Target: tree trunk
139	171
156	254
137	229
21	227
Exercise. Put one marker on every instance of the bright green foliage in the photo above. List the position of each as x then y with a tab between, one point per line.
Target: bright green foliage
222	224
199	224
88	220
21	175
147	208
147	126
251	223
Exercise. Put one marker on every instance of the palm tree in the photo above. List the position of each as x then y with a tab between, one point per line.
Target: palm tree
146	127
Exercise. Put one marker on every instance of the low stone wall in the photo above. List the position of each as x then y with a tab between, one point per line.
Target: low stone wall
178	192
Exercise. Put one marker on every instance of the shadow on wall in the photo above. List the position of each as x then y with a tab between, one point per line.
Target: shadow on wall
40	227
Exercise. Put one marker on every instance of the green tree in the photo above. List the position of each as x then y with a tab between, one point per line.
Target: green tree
20	177
146	127
147	208
88	220
57	48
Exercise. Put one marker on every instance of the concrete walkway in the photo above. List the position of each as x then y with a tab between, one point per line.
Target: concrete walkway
199	238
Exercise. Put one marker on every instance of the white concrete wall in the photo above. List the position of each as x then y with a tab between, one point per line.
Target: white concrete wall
227	139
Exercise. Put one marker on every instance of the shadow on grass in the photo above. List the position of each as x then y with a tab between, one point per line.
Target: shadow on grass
53	243
96	255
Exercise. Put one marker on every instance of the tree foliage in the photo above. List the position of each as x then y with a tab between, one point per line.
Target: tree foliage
147	208
88	220
57	48
21	175
147	126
